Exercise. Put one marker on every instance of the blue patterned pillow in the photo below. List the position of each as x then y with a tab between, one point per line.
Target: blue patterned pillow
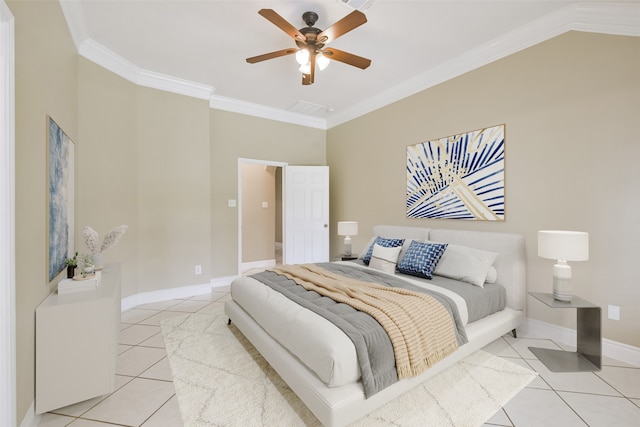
385	243
421	258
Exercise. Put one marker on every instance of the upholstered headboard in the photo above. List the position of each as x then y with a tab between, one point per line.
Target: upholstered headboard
510	264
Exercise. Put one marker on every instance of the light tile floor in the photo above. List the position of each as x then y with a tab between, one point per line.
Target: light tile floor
145	395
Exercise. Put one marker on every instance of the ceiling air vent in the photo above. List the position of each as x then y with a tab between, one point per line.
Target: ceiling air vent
357	4
303	107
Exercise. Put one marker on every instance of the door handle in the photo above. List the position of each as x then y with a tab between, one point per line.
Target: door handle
326	225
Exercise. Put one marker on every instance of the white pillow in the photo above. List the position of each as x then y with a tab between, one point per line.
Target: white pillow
492	275
366	248
405	246
466	264
385	259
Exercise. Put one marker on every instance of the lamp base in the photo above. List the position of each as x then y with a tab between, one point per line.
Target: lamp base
347	246
562	282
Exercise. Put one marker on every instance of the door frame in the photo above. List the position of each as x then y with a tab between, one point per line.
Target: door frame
242	161
8	410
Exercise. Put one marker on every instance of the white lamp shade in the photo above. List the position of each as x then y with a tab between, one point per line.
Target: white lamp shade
347	228
322	61
305	69
302	56
563	245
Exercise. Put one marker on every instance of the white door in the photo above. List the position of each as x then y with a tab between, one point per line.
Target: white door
306	214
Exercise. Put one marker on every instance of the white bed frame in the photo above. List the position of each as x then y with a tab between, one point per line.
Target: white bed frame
340	406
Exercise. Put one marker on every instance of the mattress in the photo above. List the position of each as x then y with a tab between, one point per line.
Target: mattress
322	346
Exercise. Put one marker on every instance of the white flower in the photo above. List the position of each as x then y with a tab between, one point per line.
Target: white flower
110	239
91	239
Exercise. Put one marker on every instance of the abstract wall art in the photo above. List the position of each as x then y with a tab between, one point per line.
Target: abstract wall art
458	177
61	198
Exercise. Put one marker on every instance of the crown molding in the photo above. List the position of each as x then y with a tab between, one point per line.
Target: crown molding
174	84
622	19
598	17
607	18
106	58
97	53
72	11
265	112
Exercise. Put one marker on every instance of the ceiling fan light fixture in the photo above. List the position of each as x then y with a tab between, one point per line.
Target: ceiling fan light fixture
302	56
322	61
305	68
310	42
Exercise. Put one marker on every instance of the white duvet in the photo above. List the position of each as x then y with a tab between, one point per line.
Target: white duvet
315	341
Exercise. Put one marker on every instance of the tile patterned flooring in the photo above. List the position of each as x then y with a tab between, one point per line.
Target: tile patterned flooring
145	395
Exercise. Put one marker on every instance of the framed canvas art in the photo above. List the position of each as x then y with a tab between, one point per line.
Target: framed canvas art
61	189
458	177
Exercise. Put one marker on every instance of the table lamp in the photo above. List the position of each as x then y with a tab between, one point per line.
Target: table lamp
348	229
563	246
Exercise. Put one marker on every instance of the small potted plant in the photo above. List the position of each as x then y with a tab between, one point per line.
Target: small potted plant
86	261
72	263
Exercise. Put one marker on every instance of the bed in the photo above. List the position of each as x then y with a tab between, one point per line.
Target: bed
297	342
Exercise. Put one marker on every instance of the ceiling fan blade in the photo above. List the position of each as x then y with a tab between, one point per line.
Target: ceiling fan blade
282	23
347	58
270	55
343	26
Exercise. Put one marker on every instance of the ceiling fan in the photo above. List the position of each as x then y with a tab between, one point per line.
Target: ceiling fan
311	43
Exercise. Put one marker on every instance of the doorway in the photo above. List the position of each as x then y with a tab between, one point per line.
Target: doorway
260	242
304	217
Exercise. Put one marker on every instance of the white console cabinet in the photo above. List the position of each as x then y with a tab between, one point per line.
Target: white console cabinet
77	343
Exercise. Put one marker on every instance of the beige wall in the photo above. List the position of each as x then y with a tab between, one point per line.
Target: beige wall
173	188
145	163
106	182
45	85
169	168
571	107
236	136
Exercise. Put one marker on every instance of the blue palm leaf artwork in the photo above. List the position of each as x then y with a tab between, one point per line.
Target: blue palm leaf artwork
458	177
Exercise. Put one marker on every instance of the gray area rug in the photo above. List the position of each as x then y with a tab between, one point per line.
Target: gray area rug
220	379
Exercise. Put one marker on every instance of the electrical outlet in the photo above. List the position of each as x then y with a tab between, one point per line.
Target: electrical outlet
198	269
614	312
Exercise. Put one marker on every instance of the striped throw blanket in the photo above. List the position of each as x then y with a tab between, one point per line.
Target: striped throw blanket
420	328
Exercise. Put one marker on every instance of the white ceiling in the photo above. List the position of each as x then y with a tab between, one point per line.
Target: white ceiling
199	47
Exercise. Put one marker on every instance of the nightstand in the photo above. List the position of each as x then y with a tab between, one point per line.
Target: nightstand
588	356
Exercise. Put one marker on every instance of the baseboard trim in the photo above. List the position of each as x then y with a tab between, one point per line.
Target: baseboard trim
30	418
173	293
221	282
613	349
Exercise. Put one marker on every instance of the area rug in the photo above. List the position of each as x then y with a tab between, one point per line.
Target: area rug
221	379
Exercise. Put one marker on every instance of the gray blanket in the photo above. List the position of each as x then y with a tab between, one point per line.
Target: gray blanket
373	346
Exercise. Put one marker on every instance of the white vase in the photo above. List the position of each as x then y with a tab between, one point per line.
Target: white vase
98	260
